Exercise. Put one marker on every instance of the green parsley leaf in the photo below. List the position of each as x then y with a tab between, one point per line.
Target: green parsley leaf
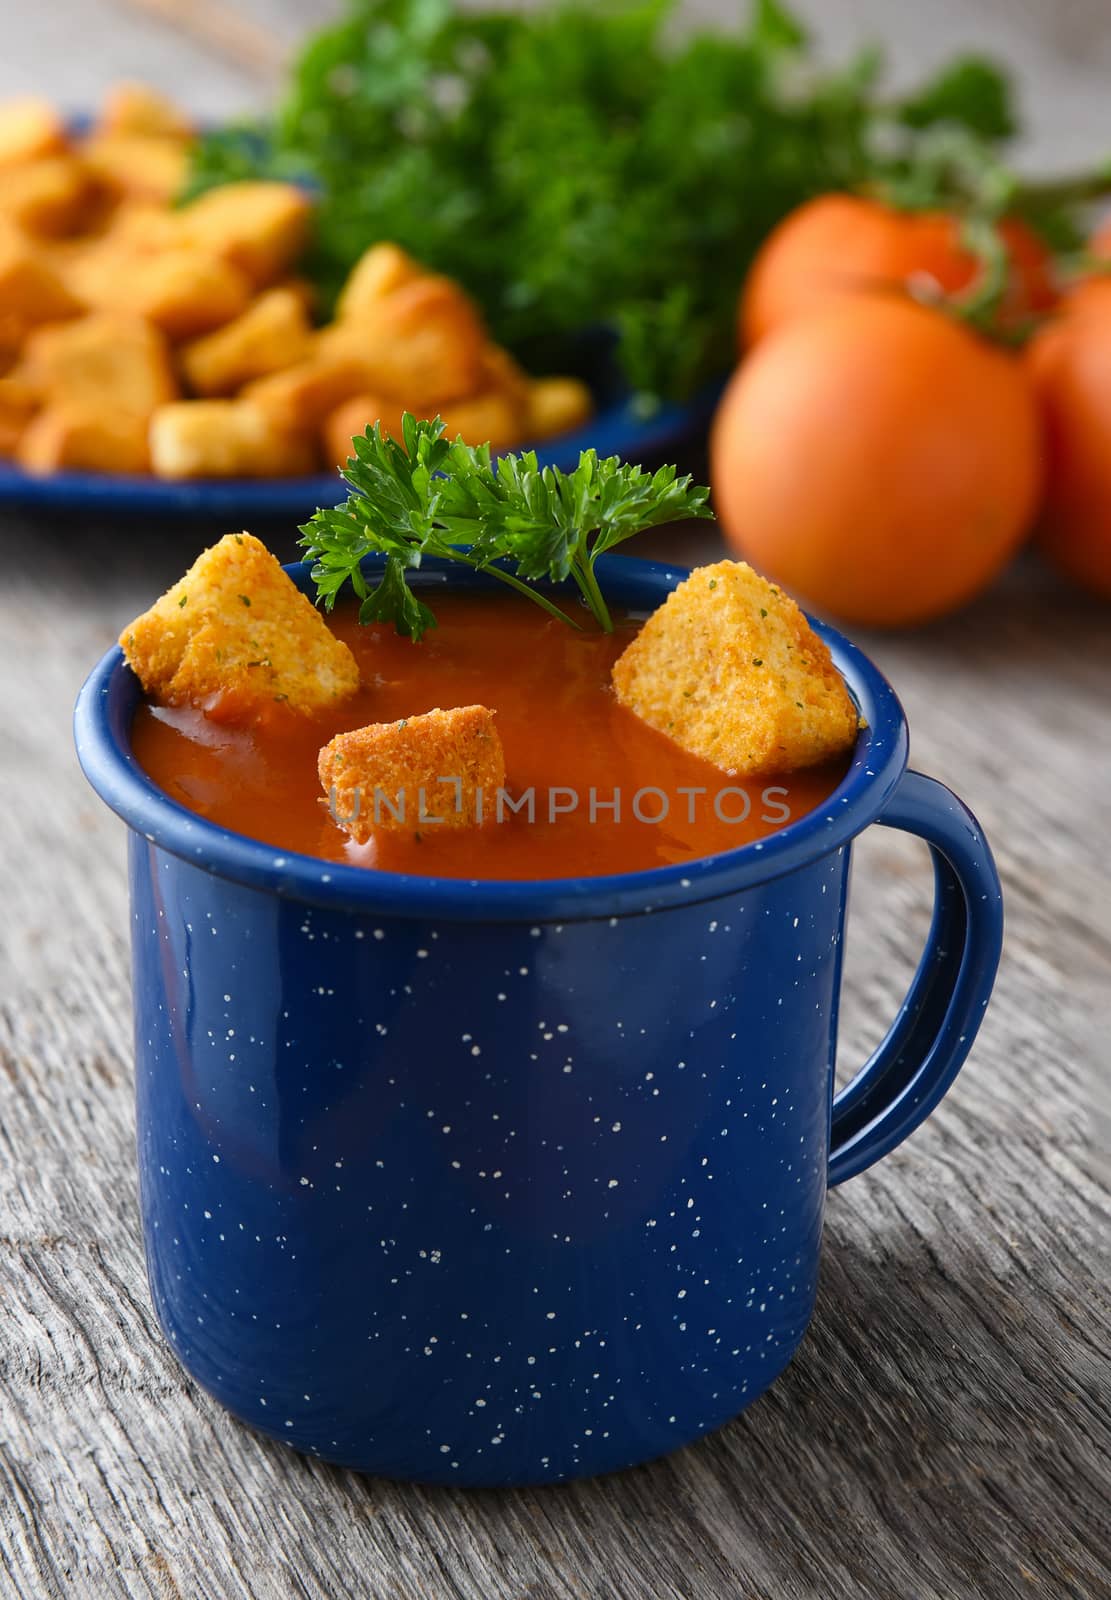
593	174
970	93
394	601
522	523
579	165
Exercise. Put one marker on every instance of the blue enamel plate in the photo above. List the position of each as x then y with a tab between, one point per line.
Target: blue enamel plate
616	429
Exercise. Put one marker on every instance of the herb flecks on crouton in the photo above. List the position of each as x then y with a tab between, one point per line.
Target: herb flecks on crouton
731	670
201	642
440	769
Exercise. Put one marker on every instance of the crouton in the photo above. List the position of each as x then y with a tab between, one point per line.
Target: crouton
304	394
84	440
731	670
29	128
422	344
18	404
441	769
139	226
138	165
261	228
12	335
305	291
500	371
383	268
237	629
50	196
30	288
103	362
137	108
271	334
225	439
355	416
556	405
182	291
489	418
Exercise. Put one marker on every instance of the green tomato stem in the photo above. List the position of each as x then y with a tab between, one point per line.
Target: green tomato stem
980	302
1077	188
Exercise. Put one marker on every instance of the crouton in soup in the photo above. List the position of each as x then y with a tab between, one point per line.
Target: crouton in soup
236	629
439	769
731	670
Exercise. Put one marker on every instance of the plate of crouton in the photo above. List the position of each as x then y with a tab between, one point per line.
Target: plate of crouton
166	357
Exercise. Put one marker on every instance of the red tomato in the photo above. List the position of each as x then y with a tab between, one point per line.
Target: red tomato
1070	362
844	244
879	459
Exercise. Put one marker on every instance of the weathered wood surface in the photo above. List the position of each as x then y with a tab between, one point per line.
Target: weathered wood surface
945	1432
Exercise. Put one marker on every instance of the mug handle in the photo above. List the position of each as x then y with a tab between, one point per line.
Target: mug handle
913	1067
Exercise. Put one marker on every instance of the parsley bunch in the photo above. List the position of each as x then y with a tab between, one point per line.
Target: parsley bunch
586	163
509	517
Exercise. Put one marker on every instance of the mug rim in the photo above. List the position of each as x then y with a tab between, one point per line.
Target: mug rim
102	719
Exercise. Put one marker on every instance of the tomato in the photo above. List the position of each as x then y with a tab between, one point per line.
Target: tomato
1070	362
842	244
878	459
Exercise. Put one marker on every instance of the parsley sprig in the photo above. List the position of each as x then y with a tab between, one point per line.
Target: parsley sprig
586	162
522	523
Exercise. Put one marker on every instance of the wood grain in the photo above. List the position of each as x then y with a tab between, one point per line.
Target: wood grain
224	31
943	1434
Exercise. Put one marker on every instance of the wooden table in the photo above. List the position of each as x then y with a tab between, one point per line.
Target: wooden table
944	1433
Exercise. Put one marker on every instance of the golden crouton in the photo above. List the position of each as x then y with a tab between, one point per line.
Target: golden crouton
261	228
355	416
441	769
304	289
303	395
108	361
237	627
556	405
18	404
138	226
225	439
29	128
383	268
422	344
50	196
271	334
84	440
137	108
731	670
489	418
31	291
500	371
12	334
182	291
139	165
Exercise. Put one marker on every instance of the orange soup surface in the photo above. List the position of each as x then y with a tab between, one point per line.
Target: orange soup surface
566	740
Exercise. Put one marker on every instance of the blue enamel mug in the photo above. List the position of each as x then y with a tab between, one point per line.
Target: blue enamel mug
511	1182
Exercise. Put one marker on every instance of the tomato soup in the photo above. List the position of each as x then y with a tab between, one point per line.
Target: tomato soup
592	789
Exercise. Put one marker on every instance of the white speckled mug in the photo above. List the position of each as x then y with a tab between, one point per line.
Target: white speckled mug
507	1182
